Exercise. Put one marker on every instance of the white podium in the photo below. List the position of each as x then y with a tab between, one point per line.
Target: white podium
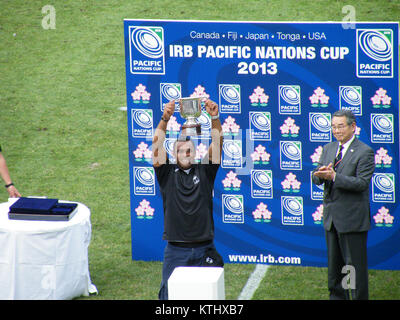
196	283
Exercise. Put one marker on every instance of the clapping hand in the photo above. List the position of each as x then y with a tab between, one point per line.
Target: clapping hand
326	172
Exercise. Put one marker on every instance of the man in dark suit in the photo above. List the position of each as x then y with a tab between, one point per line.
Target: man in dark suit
345	168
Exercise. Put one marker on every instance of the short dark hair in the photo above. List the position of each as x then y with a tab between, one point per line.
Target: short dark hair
350	117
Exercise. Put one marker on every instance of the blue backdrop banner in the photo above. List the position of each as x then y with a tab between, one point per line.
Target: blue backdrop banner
277	86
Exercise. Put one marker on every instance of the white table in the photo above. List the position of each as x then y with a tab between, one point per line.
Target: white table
44	259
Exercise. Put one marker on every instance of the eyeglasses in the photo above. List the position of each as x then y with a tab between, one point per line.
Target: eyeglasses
339	127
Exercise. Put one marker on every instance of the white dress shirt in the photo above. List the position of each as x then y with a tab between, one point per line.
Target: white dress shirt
345	146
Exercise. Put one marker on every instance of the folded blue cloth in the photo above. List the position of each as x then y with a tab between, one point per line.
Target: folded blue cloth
37	205
64	208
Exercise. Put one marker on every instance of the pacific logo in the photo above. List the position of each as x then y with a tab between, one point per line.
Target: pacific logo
383	187
290	155
261	184
168	92
142	123
229	98
147	54
260	126
232	208
350	98
382	128
232	154
320	127
144	182
289	99
292	211
374	53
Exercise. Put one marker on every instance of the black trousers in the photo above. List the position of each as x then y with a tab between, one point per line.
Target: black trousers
347	260
175	256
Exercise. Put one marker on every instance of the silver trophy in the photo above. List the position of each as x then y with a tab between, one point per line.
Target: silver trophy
190	109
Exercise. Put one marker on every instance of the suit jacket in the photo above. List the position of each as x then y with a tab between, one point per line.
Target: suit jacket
346	200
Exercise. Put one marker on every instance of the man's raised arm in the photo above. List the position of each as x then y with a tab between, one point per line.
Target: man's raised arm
215	149
159	153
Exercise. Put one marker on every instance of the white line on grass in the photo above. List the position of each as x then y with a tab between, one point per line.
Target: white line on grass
253	282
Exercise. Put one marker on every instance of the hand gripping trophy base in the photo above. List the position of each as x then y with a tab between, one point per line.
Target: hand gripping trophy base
191	129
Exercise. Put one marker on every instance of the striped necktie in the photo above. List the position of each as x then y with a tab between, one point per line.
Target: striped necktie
338	158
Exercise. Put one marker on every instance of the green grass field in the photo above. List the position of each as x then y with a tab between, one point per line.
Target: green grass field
63	135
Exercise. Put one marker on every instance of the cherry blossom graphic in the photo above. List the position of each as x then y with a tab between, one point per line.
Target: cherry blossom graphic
318	214
316	155
173	126
383	218
260	155
357	132
258	97
231	182
142	153
262	214
230	126
289	129
144	210
291	184
381	99
319	98
140	95
201	151
382	159
200	91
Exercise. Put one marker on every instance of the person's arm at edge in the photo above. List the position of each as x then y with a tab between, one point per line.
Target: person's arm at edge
159	154
217	137
4	173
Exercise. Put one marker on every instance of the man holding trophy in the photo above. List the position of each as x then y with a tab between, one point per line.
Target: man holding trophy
187	190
